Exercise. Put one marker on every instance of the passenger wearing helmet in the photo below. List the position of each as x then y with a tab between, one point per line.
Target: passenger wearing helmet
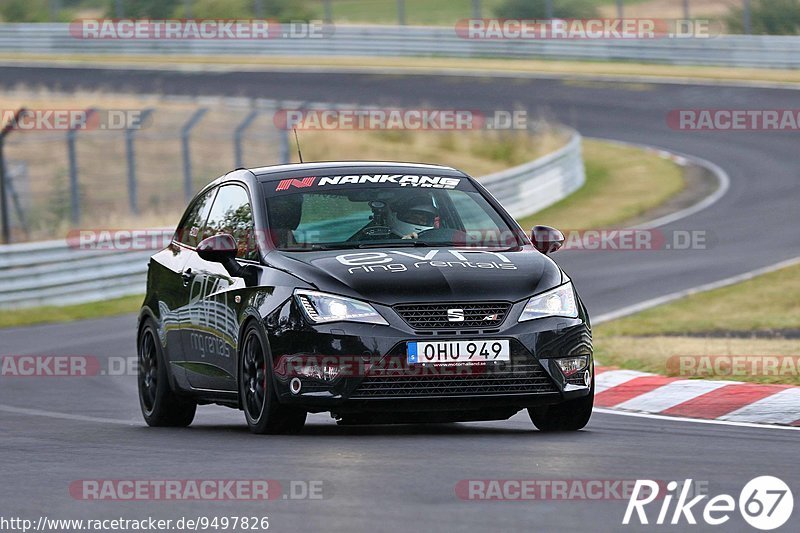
408	218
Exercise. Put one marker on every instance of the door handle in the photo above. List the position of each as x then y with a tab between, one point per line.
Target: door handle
187	276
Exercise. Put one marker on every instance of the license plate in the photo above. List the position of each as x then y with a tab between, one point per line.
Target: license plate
458	352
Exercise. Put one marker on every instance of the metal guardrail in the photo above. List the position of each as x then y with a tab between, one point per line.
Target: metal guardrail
60	273
529	188
422	41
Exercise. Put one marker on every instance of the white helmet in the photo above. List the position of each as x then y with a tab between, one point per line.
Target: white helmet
414	215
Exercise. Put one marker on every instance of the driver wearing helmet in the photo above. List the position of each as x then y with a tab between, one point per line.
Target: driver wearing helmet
408	218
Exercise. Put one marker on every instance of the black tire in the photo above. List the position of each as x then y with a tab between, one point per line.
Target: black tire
571	415
262	410
161	407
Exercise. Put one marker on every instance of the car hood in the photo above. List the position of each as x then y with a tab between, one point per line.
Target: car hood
401	275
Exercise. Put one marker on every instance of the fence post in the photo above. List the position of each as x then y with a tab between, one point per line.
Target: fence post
401	12
5	221
284	146
686	10
548	9
187	158
130	135
237	136
328	10
15	200
747	18
476	9
74	188
620	9
55	8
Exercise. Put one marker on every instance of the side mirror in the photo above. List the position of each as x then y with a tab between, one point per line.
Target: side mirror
546	239
218	249
222	249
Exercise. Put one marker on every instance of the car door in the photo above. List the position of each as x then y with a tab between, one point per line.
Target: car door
168	275
211	336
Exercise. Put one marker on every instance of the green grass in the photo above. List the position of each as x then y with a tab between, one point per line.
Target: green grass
622	182
766	303
419	12
69	313
725	321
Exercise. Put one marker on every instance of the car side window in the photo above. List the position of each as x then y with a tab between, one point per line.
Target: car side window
232	214
191	228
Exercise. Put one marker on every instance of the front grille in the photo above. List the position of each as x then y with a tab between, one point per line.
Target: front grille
510	378
435	316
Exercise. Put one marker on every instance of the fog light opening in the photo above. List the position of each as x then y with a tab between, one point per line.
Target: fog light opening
572	365
295	385
324	371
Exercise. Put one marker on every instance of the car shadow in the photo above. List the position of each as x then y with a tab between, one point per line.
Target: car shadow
373	430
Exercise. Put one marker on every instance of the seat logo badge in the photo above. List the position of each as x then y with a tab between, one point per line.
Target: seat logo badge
455	315
237	299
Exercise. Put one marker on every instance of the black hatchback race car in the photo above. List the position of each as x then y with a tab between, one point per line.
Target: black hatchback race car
380	292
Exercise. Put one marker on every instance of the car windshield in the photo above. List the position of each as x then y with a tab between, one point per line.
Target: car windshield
336	212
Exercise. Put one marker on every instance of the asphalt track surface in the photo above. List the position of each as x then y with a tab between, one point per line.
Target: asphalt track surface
54	431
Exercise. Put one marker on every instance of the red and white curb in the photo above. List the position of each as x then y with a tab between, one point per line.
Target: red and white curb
732	401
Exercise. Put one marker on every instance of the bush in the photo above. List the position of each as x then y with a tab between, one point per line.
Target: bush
537	9
152	9
217	9
769	17
284	10
25	10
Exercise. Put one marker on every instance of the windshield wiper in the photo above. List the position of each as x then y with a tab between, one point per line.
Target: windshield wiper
355	245
408	243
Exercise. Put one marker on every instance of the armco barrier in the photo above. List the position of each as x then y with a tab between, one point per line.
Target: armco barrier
423	41
53	273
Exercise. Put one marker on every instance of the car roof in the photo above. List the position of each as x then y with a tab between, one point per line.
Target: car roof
275	172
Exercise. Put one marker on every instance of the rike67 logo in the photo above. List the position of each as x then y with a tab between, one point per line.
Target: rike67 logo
765	503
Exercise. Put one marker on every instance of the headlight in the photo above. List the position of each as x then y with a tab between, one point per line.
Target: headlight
555	302
320	308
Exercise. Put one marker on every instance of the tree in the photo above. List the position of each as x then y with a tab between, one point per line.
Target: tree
769	17
151	9
537	9
25	10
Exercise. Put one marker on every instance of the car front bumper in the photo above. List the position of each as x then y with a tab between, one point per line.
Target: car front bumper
372	374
